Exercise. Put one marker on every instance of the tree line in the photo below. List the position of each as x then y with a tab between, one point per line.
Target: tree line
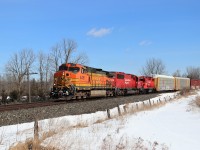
157	66
24	63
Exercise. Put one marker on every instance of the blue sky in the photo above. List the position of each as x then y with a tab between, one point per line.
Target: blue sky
116	35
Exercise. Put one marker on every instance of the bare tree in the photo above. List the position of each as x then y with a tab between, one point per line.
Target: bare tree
177	73
65	53
153	66
41	69
6	83
69	47
56	57
193	72
19	66
44	71
48	73
81	59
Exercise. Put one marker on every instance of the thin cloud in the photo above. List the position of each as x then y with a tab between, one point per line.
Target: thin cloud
99	32
145	43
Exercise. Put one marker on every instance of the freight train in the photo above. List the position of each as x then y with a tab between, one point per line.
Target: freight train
75	81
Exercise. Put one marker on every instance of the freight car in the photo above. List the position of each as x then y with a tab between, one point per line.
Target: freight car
164	83
170	83
195	83
182	83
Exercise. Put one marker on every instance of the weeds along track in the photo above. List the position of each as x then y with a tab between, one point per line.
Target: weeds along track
21	113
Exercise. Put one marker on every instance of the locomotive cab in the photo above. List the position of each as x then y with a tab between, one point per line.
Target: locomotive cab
65	80
146	84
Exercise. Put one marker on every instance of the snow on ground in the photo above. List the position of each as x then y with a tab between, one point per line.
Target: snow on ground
175	125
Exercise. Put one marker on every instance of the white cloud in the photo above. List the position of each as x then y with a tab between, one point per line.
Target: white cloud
145	43
99	32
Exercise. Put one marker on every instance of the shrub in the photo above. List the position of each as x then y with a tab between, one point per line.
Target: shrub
14	95
184	91
197	101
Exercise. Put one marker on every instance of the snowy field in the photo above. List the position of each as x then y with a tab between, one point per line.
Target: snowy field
174	125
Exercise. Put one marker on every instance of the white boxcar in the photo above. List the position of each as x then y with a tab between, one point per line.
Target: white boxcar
181	83
164	83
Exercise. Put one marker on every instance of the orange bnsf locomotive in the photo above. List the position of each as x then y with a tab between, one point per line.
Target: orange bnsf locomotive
75	81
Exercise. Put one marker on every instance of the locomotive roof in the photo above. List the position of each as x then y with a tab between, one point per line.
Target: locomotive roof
96	70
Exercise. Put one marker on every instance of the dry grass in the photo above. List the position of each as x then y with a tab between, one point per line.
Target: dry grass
100	121
184	91
197	101
109	142
80	125
1	138
32	145
35	144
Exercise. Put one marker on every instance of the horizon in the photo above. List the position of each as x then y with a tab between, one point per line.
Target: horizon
115	35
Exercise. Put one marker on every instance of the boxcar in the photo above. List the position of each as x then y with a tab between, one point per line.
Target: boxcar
195	83
164	83
181	83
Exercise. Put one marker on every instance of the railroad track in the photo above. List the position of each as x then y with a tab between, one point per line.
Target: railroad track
11	107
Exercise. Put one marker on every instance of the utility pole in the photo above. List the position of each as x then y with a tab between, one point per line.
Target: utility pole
29	85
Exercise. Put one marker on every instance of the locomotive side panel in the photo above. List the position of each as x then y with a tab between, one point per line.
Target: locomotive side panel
130	81
146	84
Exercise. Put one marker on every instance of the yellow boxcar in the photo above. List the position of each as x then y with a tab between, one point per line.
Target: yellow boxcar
181	83
164	83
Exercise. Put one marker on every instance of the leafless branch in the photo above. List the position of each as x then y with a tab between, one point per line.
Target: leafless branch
153	66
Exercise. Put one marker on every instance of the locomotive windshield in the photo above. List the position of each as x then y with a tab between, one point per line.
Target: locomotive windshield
63	67
71	69
141	79
120	76
74	69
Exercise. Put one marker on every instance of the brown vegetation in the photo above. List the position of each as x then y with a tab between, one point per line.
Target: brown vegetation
32	145
1	138
197	101
185	92
125	143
